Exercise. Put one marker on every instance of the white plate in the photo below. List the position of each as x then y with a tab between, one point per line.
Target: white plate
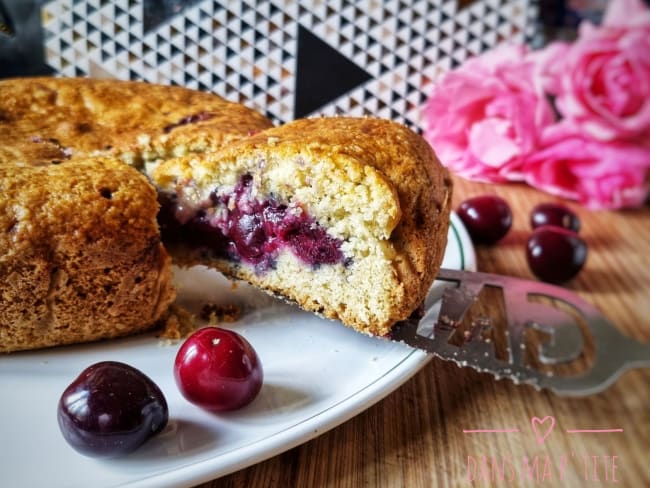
317	375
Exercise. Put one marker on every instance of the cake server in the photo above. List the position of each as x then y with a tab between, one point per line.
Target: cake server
567	328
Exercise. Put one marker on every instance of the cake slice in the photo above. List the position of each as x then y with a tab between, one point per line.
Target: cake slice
347	217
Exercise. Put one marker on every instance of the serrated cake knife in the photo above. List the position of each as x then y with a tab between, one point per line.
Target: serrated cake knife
447	306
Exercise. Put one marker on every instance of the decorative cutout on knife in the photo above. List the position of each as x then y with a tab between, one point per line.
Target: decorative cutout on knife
567	335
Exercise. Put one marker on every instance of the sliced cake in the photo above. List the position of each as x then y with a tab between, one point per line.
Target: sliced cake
347	217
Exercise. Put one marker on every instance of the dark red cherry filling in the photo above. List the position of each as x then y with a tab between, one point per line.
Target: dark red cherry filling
239	227
190	119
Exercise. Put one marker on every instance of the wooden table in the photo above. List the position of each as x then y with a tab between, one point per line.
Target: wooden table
414	437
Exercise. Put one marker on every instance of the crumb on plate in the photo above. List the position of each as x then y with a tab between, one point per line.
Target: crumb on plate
180	323
215	313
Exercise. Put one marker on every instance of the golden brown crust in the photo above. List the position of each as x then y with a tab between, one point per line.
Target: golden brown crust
384	158
80	254
135	121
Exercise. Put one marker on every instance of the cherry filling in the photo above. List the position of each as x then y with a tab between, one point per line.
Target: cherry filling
190	119
239	227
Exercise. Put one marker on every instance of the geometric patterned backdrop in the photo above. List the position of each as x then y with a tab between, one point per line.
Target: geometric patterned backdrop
287	59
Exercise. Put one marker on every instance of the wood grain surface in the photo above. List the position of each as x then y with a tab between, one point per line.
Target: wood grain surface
414	437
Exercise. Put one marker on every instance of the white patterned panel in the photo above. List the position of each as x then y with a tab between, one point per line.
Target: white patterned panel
247	51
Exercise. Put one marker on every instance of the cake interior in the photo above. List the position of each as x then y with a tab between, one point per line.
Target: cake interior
311	229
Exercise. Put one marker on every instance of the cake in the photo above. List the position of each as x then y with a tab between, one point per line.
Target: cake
347	217
81	257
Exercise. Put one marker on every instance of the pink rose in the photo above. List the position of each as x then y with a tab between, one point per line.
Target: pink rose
485	117
603	85
600	175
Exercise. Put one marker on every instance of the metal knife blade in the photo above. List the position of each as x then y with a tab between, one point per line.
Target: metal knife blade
567	333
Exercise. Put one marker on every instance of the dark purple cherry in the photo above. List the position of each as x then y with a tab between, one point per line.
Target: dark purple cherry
110	410
170	228
554	214
313	245
200	232
555	254
248	234
487	218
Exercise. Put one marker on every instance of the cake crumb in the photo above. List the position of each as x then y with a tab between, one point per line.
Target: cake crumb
179	324
215	313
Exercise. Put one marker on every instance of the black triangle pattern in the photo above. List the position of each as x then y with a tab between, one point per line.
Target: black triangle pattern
157	12
323	74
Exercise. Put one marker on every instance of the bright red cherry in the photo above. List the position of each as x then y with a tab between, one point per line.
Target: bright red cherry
218	370
555	254
487	218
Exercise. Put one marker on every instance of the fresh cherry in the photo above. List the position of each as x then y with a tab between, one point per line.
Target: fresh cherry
110	410
555	254
218	370
487	218
554	214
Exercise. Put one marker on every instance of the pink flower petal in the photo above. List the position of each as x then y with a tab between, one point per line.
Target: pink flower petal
603	83
599	175
484	116
489	139
626	13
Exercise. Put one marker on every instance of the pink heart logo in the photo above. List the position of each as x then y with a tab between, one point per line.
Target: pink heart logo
541	434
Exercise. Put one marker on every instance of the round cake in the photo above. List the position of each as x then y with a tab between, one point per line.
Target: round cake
347	217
